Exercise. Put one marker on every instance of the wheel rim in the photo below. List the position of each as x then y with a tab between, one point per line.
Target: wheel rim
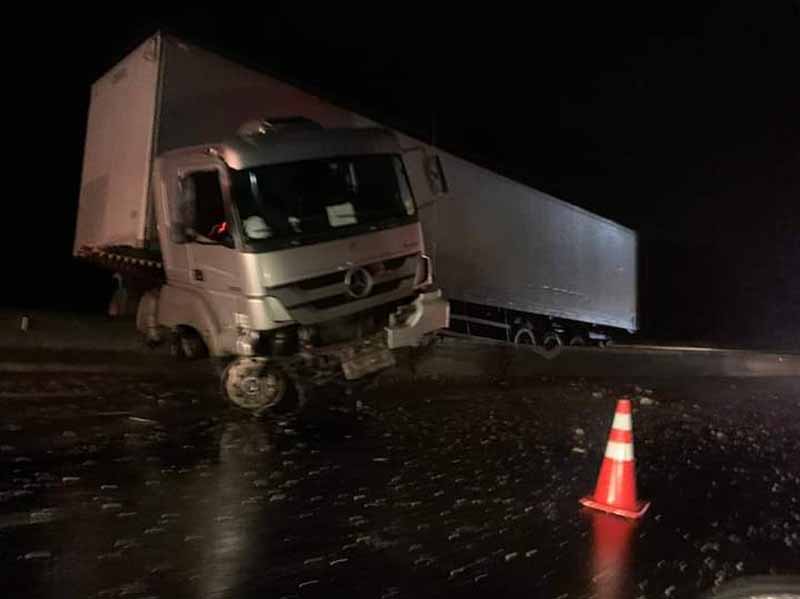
254	386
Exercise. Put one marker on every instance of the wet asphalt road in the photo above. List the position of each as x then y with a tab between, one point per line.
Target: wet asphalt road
141	486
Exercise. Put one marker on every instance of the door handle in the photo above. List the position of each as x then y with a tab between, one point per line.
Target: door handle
197	274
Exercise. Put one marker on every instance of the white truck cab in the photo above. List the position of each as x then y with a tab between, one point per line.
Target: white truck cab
286	241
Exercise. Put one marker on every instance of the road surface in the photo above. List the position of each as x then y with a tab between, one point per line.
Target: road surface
147	485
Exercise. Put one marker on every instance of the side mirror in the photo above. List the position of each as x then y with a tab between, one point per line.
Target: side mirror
436	177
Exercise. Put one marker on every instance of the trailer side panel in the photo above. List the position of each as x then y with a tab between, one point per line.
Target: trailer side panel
499	243
113	208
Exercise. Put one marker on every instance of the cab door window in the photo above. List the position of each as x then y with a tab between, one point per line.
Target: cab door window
202	196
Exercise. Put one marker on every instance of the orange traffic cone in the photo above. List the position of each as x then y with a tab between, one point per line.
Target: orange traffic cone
616	486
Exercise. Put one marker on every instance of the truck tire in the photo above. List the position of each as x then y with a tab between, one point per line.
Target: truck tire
551	345
577	340
524	336
258	386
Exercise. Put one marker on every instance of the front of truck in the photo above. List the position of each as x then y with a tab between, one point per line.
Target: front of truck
333	251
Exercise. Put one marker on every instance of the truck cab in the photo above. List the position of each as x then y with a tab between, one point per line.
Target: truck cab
291	249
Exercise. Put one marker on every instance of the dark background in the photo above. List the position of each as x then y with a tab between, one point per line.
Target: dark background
682	123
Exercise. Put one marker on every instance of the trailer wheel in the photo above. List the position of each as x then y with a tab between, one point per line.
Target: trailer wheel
577	341
551	345
604	343
258	386
524	336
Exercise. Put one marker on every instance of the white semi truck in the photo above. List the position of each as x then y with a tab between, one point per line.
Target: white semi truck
254	222
284	233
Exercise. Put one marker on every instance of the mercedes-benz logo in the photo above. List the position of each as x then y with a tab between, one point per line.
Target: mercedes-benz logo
358	282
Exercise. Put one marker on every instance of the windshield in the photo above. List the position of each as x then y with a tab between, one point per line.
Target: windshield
322	197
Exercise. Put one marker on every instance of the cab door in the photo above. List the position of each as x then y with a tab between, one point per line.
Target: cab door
213	263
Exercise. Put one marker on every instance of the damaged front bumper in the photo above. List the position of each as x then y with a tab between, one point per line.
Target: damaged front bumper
428	313
356	359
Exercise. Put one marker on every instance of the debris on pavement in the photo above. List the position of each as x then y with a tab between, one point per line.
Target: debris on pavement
37	555
141	420
461	480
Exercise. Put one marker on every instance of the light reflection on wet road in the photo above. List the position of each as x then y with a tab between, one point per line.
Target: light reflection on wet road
129	487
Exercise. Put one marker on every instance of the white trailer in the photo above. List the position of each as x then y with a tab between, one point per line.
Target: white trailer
521	265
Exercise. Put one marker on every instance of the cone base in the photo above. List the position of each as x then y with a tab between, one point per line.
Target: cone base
641	508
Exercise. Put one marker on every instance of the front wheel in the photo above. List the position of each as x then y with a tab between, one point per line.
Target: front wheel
258	386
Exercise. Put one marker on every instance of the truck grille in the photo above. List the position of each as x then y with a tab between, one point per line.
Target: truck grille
338	300
326	296
336	277
323	281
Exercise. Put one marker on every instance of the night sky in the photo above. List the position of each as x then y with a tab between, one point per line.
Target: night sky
682	123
